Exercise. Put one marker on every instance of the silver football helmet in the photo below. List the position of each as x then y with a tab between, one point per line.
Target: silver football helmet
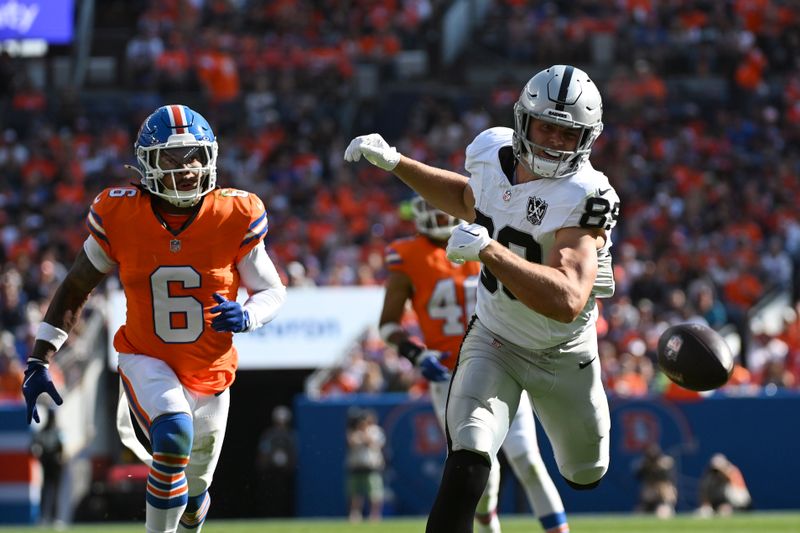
432	222
565	96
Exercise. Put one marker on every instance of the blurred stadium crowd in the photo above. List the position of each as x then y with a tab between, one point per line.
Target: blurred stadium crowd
701	140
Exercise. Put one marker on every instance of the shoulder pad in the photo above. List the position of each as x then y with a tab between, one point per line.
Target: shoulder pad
400	250
228	192
115	197
594	183
240	201
118	192
488	142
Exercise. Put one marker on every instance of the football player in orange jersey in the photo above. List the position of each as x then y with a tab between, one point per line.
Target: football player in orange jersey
183	247
443	295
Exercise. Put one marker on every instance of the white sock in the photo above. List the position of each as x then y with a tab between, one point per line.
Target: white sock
162	520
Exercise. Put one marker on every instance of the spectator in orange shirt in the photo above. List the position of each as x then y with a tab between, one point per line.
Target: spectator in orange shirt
173	65
633	378
340	382
219	75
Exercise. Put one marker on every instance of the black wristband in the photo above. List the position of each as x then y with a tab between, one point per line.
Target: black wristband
410	350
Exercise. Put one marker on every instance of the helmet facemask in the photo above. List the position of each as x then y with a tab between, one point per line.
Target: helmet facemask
564	96
432	222
163	165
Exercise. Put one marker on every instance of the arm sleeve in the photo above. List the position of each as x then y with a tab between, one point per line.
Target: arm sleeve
267	292
99	258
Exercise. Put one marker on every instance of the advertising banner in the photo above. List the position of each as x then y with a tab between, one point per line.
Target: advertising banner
315	326
51	20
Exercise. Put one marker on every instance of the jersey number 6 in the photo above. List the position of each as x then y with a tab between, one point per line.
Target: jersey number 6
177	319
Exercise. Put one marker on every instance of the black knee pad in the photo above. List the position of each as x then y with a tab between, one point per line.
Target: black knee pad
578	486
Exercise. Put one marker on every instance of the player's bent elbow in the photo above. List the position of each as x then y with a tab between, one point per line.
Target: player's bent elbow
567	316
564	313
562	308
570	309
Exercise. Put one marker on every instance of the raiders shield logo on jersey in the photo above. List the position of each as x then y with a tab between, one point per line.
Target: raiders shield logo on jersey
536	210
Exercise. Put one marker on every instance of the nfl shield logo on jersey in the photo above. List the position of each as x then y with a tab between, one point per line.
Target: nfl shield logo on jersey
536	210
174	246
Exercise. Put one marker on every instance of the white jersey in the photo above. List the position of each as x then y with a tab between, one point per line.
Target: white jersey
525	217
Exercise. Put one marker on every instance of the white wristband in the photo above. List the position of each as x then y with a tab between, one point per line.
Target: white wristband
49	333
389	329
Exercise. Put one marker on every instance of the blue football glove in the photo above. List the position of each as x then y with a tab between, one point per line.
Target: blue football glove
430	366
37	381
232	317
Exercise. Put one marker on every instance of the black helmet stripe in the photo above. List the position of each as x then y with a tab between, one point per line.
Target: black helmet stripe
562	91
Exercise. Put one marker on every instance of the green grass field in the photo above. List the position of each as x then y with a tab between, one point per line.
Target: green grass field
744	523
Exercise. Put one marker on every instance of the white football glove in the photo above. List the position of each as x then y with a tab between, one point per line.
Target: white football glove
375	149
466	242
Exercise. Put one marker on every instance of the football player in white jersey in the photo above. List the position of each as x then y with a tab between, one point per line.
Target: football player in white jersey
442	294
539	218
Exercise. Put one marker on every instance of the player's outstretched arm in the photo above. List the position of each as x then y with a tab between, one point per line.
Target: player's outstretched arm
442	188
62	315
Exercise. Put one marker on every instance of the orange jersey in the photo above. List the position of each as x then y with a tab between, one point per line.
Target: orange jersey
444	292
169	278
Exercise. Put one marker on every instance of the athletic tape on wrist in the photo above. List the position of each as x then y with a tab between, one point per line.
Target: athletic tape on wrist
389	329
410	350
49	333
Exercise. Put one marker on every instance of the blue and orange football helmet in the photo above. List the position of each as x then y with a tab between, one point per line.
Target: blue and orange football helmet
172	137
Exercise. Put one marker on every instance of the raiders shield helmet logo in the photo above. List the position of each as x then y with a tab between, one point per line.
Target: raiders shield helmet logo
536	210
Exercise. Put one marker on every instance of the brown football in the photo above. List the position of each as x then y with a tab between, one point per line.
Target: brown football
695	356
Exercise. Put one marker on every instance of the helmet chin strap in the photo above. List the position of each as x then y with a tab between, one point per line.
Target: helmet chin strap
182	202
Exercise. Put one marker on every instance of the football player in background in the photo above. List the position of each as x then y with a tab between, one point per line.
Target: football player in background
183	247
540	220
442	294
